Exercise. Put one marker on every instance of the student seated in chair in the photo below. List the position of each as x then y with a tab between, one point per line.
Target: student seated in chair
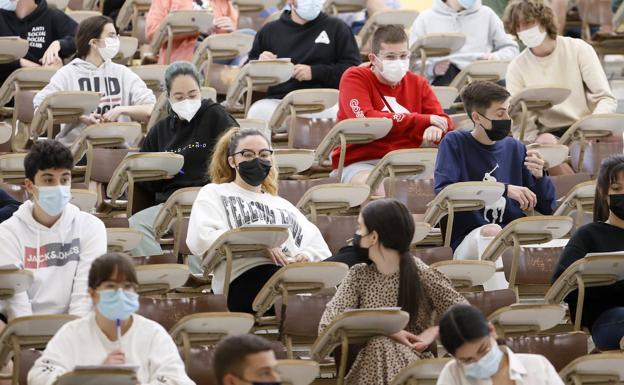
112	334
486	38
245	359
393	278
321	47
551	59
487	153
51	237
124	95
387	89
191	129
478	356
603	309
244	192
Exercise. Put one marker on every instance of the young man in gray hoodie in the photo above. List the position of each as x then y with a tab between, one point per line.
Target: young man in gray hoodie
486	38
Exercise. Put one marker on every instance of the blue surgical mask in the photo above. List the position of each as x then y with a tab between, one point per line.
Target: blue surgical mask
53	199
309	9
117	304
8	5
467	4
487	366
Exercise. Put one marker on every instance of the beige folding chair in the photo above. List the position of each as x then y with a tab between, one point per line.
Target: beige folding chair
84	199
122	239
332	199
467	275
255	124
14	281
6	131
298	102
12	48
128	46
437	44
161	278
291	161
589	128
105	374
458	197
31	332
351	131
12	168
253	6
298	372
446	95
534	99
553	154
603	368
356	326
160	108
526	318
170	218
491	70
178	24
80	15
421	372
62	107
59	4
133	12
525	231
237	243
580	200
599	269
402	17
153	75
140	167
255	73
219	47
201	329
334	7
412	163
25	79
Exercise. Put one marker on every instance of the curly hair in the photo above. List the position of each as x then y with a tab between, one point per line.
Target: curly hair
46	154
518	11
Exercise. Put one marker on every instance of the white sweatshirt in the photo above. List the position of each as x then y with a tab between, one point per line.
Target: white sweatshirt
221	207
574	65
484	32
117	84
81	342
59	257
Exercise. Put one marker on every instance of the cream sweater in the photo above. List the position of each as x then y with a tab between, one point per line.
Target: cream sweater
573	64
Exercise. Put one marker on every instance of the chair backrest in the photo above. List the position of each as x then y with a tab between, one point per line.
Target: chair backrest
337	230
105	161
308	133
415	194
564	183
490	301
560	349
27	360
293	190
536	267
595	151
303	314
168	311
432	255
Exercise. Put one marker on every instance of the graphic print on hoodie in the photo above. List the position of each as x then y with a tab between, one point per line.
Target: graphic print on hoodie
59	258
117	84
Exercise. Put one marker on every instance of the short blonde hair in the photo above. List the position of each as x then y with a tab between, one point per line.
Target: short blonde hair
518	11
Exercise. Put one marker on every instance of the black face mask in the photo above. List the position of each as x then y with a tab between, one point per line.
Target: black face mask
500	128
616	205
361	252
254	172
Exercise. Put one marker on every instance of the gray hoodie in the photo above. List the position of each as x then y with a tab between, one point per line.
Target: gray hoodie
122	87
484	32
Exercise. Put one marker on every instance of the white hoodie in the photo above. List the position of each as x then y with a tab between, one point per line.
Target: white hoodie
59	257
221	207
117	84
484	32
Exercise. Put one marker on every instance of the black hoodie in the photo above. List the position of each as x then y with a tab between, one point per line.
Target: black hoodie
326	44
41	27
194	140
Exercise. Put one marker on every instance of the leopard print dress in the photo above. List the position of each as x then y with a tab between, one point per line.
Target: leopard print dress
365	287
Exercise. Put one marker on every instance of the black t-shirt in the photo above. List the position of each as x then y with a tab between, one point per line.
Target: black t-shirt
596	237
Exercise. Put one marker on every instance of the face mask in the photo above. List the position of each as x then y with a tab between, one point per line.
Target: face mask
487	366
467	4
53	199
394	70
8	5
117	304
308	9
186	109
111	49
254	172
616	205
500	128
361	252
532	37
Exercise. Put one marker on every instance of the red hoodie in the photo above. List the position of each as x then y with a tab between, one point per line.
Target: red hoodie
409	104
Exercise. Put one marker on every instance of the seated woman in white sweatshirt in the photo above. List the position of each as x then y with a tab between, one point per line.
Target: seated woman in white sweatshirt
243	192
112	334
125	96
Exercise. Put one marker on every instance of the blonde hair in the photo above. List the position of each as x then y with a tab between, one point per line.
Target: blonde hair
220	170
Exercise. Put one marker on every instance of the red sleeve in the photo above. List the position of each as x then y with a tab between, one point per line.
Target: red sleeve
430	103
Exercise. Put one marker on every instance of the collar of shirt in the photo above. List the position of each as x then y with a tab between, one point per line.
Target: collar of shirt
516	368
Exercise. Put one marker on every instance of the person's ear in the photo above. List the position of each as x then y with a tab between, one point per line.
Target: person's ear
371	58
229	379
474	115
94	295
374	238
231	162
30	187
492	330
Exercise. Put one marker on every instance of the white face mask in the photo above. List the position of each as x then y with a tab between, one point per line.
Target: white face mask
186	109
309	9
394	70
532	37
111	49
8	5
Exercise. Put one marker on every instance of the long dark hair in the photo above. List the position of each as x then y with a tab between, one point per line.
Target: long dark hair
88	29
609	170
460	324
395	227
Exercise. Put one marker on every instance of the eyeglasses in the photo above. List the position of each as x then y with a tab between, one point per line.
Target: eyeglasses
251	155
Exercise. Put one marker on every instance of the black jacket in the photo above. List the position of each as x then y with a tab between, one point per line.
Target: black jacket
41	27
194	140
8	205
326	44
